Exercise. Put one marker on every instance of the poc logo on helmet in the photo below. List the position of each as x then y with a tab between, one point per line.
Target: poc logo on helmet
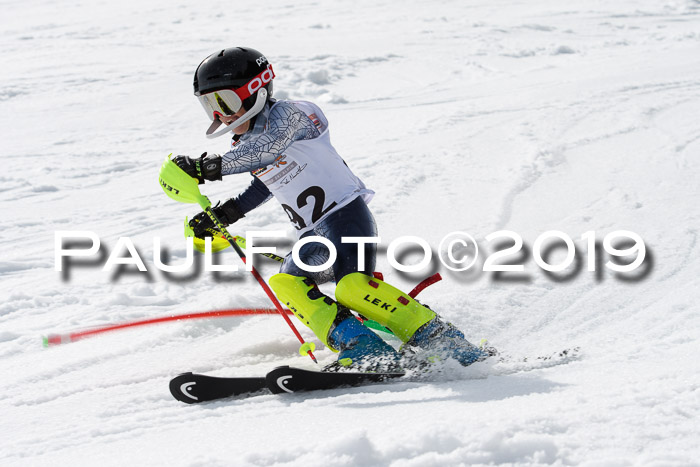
261	60
261	80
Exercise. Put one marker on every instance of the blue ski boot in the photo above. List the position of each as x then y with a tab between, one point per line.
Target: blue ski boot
440	340
360	348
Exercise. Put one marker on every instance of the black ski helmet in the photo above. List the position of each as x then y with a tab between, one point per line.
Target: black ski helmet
230	69
241	69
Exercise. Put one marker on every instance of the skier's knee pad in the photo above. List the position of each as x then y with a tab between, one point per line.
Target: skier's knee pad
383	303
303	298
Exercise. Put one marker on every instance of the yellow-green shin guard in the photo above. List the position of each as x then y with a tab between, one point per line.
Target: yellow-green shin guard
318	314
383	303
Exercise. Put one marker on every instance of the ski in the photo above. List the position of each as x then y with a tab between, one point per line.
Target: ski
286	379
192	388
506	364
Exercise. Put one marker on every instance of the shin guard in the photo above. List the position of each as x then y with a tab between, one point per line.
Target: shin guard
383	303
313	308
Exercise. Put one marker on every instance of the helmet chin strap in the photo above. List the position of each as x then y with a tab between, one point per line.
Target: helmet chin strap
259	104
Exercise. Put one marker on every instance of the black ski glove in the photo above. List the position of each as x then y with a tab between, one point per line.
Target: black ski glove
202	168
228	213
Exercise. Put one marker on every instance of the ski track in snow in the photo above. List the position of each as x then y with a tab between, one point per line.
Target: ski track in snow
476	116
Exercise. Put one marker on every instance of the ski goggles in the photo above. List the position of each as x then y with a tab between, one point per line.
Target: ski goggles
229	101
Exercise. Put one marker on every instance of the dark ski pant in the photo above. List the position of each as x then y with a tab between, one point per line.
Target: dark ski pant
352	220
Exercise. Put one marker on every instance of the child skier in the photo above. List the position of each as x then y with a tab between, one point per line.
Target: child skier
286	147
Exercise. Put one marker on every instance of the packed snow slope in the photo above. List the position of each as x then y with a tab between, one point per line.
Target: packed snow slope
474	116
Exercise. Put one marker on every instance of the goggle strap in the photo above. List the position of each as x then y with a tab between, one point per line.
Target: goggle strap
244	92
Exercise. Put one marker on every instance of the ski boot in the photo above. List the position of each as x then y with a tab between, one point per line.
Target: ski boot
358	347
415	324
439	340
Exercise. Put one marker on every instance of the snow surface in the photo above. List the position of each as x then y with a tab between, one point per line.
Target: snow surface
475	116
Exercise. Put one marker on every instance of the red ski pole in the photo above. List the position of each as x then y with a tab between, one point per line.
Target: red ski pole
183	188
305	347
56	339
